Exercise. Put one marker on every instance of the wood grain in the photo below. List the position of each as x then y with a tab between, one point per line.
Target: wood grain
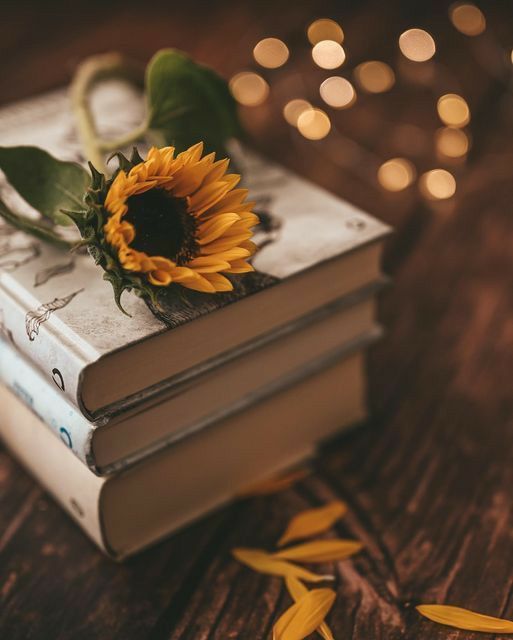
429	479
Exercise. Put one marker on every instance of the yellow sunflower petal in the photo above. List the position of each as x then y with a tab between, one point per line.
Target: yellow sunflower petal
206	197
213	229
160	278
297	590
239	266
465	619
213	268
263	562
313	521
217	171
199	283
320	551
228	202
219	282
305	616
227	244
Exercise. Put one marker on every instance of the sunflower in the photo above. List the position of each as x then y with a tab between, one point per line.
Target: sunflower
179	220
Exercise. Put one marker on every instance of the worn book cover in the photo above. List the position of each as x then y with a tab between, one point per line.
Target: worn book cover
55	307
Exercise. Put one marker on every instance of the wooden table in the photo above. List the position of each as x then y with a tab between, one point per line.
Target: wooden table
429	479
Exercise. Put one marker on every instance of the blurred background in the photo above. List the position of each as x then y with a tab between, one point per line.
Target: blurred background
390	104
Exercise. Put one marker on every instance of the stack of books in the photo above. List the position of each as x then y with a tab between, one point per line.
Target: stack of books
139	425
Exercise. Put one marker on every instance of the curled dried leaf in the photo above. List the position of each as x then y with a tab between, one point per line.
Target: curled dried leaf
297	590
265	563
313	521
275	484
320	551
464	619
303	617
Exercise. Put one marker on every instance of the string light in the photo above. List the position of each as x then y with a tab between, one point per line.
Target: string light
294	108
249	89
396	174
451	142
453	110
271	53
437	184
468	19
325	29
417	45
337	92
328	54
314	124
374	76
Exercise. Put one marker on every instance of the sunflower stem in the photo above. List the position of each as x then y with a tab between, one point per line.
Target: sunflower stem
89	73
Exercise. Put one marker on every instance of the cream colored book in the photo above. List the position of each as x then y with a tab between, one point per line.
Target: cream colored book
139	506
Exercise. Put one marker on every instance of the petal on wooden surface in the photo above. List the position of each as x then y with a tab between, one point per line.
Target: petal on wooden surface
331	550
275	484
464	619
305	616
313	521
297	590
264	562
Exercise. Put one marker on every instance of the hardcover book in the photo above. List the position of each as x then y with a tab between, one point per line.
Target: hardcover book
138	506
55	308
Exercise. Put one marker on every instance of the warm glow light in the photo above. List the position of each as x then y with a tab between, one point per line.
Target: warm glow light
325	29
453	110
417	45
451	142
249	88
328	54
468	19
374	76
437	184
396	174
271	53
337	92
293	109
314	124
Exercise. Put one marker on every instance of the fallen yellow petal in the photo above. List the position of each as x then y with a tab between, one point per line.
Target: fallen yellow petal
265	563
320	551
464	619
275	484
313	521
297	590
303	617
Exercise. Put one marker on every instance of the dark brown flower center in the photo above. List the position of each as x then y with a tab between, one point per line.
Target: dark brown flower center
163	226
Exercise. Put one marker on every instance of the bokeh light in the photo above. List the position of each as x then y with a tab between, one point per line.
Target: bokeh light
249	89
337	92
417	45
374	76
437	184
328	54
453	110
271	53
452	142
314	124
325	29
468	19
294	108
396	174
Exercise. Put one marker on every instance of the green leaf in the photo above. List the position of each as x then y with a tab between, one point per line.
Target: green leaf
189	103
46	183
33	227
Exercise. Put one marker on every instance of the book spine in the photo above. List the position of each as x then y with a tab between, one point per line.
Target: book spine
47	459
30	327
47	402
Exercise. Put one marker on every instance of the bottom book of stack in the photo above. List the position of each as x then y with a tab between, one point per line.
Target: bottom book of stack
141	504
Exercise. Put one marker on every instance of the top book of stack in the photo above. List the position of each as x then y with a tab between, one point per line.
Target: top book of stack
314	248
